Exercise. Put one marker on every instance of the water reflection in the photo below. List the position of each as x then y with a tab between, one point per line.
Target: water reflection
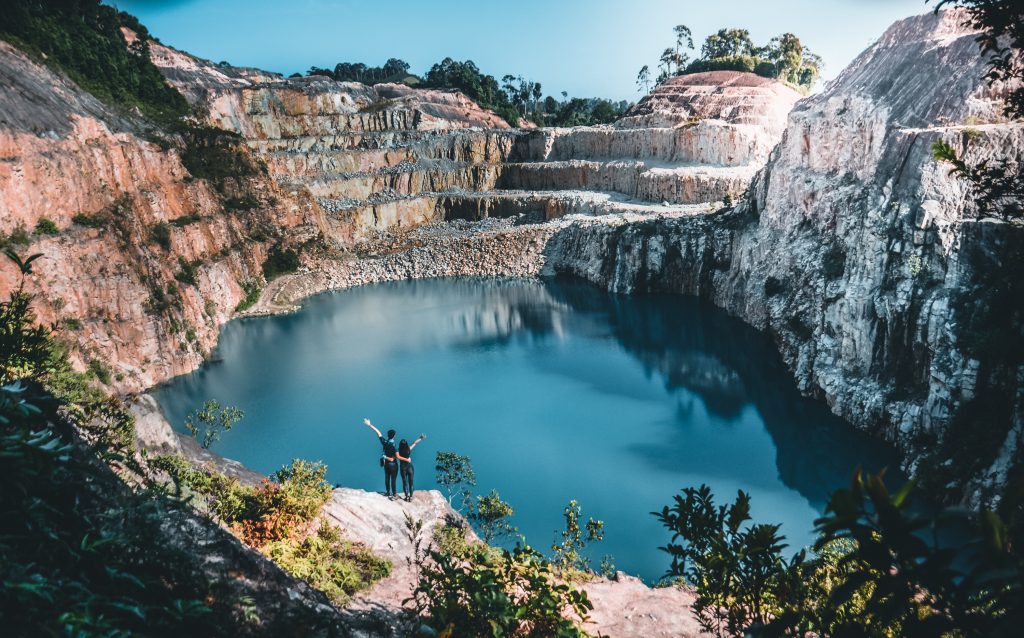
556	390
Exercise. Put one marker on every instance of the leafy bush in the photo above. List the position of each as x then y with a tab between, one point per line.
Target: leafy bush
209	422
283	506
455	475
490	515
188	272
185	220
90	221
279	262
882	568
740	575
83	39
216	155
252	295
161	235
568	554
18	237
46	226
335	567
99	370
504	595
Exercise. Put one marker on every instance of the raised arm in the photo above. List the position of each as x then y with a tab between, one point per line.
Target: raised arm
372	427
414	443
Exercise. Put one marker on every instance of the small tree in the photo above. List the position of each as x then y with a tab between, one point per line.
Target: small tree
208	423
490	515
455	475
738	572
568	555
643	79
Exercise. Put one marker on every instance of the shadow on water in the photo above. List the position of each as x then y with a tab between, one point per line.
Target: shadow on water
693	345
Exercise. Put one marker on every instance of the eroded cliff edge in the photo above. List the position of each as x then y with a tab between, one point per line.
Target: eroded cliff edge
863	257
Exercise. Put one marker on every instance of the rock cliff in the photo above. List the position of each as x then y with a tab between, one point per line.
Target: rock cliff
860	253
148	261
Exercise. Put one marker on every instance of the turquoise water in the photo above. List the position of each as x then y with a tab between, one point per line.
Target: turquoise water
556	391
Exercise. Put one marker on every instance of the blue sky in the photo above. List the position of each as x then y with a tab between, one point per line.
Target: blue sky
584	47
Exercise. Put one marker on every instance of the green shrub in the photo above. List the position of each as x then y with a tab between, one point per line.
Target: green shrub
83	39
503	595
209	422
252	295
246	202
90	221
185	220
279	262
335	567
99	370
455	475
744	63
489	514
568	554
46	226
71	323
161	235
188	271
216	155
18	237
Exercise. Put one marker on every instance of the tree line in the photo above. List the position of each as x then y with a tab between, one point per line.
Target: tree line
513	97
783	58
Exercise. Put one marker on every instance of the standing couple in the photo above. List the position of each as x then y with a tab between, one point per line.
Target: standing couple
395	458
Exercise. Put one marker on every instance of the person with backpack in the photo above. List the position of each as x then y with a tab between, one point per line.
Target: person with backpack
388	460
405	465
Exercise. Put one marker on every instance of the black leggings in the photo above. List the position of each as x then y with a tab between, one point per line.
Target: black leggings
390	476
407	473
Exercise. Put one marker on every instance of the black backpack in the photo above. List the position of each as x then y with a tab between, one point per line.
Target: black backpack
389	450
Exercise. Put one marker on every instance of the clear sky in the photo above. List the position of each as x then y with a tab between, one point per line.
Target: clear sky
585	47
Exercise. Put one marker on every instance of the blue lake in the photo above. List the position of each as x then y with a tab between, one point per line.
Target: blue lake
556	391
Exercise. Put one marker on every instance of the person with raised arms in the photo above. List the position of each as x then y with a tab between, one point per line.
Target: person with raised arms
388	460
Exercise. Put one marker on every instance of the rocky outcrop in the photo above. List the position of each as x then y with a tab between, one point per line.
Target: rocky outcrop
854	247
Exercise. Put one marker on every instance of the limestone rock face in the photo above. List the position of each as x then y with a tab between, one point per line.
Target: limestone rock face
854	247
734	97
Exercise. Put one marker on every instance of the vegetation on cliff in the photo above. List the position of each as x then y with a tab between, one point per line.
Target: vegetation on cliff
83	39
784	58
513	98
882	567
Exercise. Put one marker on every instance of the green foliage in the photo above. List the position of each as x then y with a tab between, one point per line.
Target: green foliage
489	514
90	221
185	220
252	295
245	202
568	554
209	422
160	234
18	237
394	70
503	595
738	571
280	261
216	155
188	272
99	370
882	567
335	567
455	475
1000	24
46	226
783	58
83	39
